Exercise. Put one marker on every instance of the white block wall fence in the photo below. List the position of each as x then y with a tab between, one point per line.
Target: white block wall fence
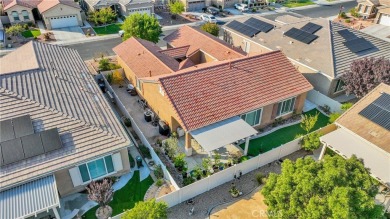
320	100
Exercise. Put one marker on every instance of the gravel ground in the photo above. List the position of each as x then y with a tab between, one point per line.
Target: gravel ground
219	195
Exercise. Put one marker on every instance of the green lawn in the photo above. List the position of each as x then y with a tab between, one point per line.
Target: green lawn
110	29
282	136
298	3
126	197
31	33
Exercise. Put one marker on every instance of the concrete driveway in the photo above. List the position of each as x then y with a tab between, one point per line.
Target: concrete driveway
68	33
378	30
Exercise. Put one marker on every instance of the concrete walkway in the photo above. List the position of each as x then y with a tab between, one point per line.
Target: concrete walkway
41	27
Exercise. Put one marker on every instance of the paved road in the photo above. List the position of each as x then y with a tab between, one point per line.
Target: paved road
89	50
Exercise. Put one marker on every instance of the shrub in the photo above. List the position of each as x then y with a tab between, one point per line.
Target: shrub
158	171
109	78
346	106
179	161
333	117
145	151
127	122
347	20
159	182
244	158
187	181
259	178
343	15
132	161
311	141
113	66
104	64
354	13
25	26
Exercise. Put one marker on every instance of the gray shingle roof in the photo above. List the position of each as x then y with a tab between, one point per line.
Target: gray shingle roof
59	94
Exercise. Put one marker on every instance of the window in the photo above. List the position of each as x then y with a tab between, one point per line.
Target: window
15	15
161	90
252	118
247	46
339	86
366	9
286	107
139	85
96	168
25	15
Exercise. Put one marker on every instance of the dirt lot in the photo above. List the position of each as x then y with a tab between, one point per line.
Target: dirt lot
355	23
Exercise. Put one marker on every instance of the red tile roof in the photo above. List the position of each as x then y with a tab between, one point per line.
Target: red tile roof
198	39
26	3
144	58
48	4
213	93
178	52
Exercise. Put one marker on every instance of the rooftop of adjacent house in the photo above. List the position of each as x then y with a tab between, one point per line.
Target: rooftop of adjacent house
48	4
26	3
145	58
369	118
53	87
327	53
200	40
220	90
105	3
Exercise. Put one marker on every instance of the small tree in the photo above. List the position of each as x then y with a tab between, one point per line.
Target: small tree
142	26
15	30
117	77
311	141
210	28
365	74
176	7
94	17
106	15
104	64
102	193
149	209
344	107
308	122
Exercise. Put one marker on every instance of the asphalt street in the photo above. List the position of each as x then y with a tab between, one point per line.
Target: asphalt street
89	50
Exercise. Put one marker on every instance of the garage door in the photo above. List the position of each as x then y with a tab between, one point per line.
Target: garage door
140	10
385	19
64	21
196	5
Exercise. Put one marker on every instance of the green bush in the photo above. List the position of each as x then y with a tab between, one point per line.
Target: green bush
113	66
158	171
259	178
159	182
132	161
26	26
346	106
127	122
244	158
343	15
311	141
354	13
145	151
347	20
109	78
187	181
104	64
333	117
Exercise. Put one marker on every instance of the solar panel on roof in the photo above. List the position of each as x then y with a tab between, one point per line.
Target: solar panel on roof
259	25
12	151
347	35
300	35
32	145
358	45
311	27
379	111
6	130
51	140
22	126
243	28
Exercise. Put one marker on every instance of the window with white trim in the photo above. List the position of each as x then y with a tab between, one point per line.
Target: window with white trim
161	90
15	15
253	118
139	85
286	106
96	168
25	15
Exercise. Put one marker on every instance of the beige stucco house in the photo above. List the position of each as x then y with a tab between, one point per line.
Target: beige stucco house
321	56
53	13
378	9
121	7
57	133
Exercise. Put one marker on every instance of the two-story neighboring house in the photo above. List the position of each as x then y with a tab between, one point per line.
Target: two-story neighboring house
213	92
378	9
57	131
121	7
54	13
320	49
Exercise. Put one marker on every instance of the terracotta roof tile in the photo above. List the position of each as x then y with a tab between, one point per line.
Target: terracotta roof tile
213	93
48	4
186	64
208	43
26	3
176	52
144	58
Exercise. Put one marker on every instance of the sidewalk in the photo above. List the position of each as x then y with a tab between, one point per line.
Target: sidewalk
319	3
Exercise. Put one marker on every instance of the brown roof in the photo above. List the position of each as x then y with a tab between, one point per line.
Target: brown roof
48	4
364	127
198	39
229	88
176	52
26	3
144	58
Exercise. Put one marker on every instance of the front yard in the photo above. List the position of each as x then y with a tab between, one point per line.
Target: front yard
126	197
31	33
297	3
110	29
282	136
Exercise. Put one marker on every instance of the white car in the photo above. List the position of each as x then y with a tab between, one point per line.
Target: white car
208	18
241	7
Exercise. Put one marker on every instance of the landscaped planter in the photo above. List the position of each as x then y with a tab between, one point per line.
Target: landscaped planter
104	212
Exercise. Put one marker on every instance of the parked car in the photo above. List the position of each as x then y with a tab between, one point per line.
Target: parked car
208	18
241	7
212	11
